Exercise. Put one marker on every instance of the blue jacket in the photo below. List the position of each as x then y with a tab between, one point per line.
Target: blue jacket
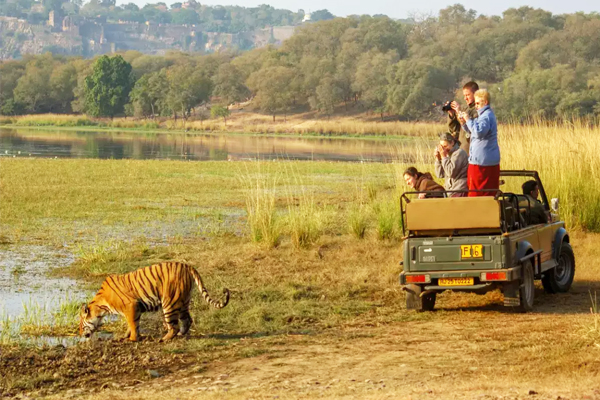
484	150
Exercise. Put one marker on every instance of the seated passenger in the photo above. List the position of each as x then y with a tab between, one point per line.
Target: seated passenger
422	182
538	213
451	163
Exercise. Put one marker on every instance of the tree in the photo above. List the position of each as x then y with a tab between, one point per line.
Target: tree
10	72
185	16
272	90
149	95
229	84
328	94
33	88
219	112
107	88
63	81
371	79
414	87
321	15
189	87
456	15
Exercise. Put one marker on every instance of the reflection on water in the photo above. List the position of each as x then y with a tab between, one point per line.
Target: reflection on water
199	147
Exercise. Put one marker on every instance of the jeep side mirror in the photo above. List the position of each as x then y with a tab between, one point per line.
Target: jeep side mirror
554	204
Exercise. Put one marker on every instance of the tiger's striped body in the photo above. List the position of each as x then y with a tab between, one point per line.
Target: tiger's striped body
167	285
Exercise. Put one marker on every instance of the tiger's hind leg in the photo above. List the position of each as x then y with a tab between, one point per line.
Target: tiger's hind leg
186	320
171	318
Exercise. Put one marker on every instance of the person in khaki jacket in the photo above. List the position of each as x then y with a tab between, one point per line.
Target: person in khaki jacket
455	123
421	182
452	164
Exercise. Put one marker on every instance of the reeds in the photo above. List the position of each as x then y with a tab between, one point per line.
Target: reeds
38	319
304	220
241	122
567	158
263	221
65	120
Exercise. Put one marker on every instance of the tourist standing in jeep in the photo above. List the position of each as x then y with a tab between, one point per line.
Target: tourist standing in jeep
455	123
484	154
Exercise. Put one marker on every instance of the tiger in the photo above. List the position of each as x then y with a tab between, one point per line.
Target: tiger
167	285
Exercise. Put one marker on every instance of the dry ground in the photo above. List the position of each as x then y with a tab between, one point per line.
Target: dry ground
470	348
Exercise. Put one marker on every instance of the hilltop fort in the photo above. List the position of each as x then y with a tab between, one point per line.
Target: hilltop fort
99	28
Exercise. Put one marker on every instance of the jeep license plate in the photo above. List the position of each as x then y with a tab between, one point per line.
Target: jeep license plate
455	281
471	251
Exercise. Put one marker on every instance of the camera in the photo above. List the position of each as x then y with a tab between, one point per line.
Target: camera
447	106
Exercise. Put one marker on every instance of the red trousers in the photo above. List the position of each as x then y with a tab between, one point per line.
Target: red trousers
479	177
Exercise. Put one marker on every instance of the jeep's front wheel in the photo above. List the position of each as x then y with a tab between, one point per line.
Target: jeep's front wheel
414	300
560	278
527	288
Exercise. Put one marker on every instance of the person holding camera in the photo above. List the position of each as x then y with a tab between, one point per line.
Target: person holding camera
484	154
451	163
455	123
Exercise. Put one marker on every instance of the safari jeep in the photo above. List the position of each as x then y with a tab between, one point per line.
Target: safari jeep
478	244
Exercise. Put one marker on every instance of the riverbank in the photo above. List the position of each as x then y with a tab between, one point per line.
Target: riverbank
239	122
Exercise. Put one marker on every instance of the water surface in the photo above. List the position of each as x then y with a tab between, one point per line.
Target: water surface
199	147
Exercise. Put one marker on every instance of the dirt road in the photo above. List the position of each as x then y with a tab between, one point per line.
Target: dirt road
470	348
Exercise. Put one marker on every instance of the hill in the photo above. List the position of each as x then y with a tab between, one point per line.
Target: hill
102	27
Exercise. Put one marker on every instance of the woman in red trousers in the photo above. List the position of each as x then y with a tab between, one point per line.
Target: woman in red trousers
484	153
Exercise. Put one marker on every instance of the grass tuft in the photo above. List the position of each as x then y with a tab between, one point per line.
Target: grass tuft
358	220
263	220
387	215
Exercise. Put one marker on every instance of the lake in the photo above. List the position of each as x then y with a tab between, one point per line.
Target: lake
194	146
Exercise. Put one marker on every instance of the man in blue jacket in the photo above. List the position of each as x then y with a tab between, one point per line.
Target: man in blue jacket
484	152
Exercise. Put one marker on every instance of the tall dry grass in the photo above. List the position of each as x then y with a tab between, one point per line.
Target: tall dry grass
263	222
300	124
241	122
568	160
68	121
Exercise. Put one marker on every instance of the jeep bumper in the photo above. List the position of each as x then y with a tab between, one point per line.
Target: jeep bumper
429	279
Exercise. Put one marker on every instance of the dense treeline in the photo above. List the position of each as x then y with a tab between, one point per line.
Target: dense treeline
535	64
230	19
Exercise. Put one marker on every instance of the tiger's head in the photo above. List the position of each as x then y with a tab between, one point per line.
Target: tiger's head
90	319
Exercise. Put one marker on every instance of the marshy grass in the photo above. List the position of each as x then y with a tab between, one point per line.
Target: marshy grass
260	194
59	318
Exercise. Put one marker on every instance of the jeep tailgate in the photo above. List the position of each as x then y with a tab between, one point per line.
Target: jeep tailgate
460	253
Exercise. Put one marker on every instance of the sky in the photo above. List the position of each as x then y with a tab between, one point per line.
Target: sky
403	9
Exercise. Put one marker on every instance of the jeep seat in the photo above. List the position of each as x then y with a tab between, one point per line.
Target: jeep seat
453	213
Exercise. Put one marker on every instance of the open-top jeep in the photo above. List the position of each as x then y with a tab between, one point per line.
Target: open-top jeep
478	244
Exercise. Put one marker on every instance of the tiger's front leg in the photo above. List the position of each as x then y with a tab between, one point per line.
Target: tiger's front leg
132	315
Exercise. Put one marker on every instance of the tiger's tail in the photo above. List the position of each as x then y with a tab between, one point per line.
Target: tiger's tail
204	292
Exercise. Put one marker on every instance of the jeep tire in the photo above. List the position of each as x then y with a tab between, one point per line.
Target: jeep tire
527	288
414	300
560	278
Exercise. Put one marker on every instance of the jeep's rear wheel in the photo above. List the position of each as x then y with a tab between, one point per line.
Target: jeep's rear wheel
560	278
527	288
414	300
